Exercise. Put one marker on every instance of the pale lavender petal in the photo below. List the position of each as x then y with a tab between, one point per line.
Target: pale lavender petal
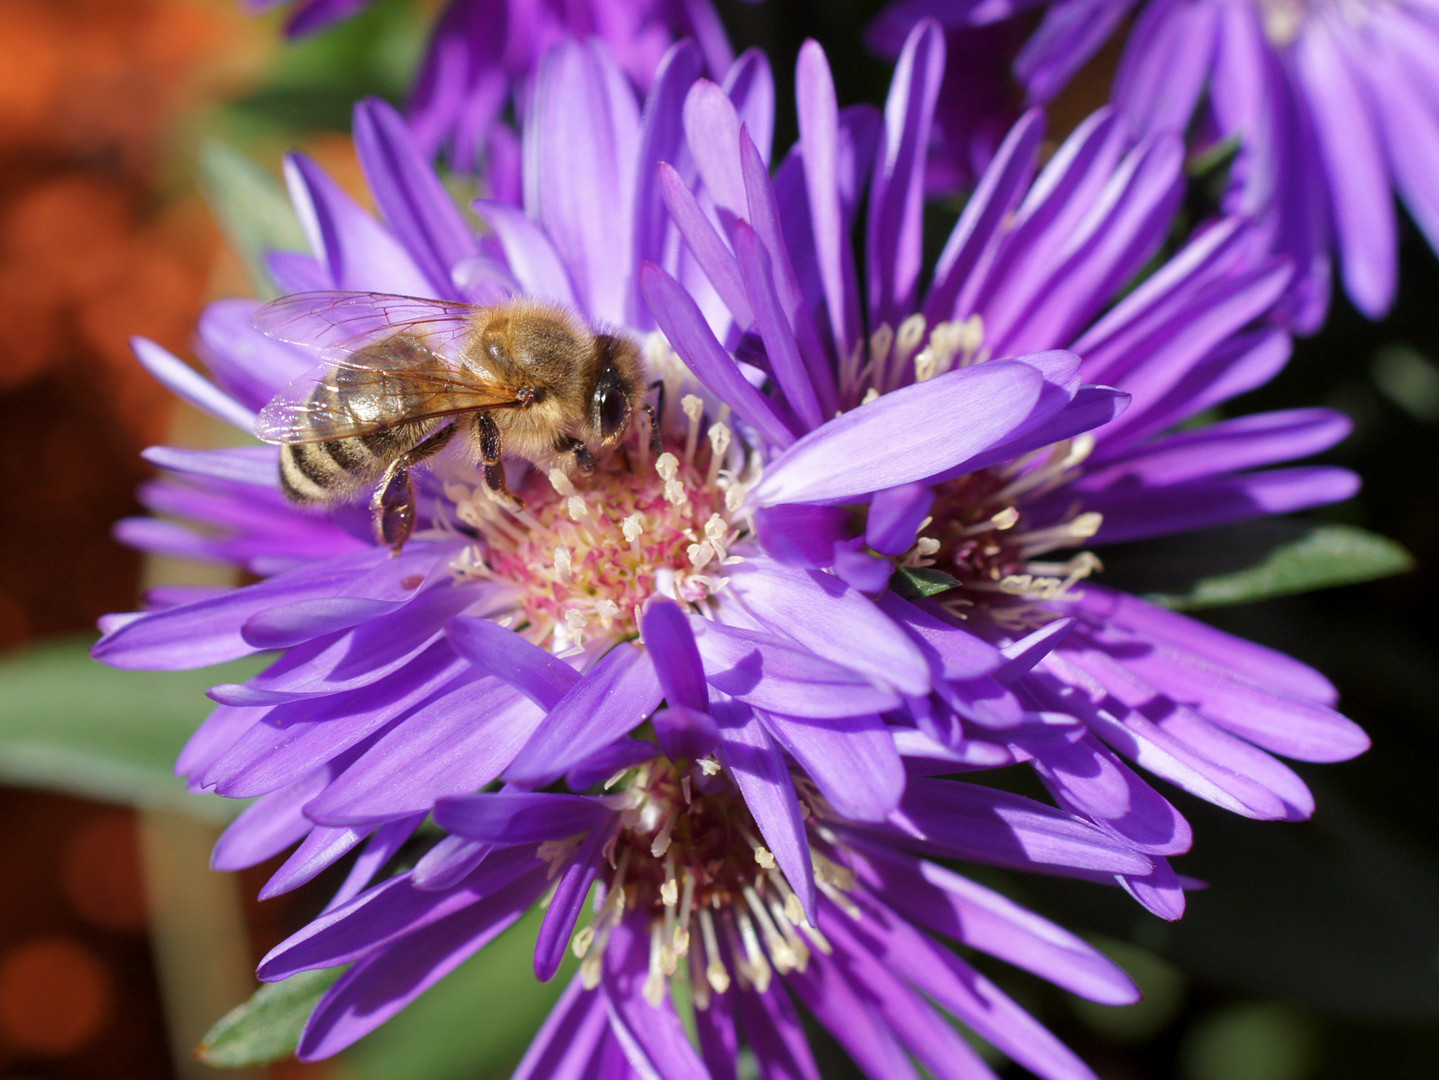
685	327
805	605
904	436
321	849
749	83
712	253
357	250
613	698
854	763
251	365
1161	891
712	132
252	466
770	672
1166	62
184	381
818	112
383	845
409	194
529	253
581	135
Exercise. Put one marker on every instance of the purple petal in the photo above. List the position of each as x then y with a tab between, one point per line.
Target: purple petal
581	138
357	250
774	329
529	253
251	466
566	1047
805	606
894	233
409	194
953	651
904	436
983	919
710	251
679	317
671	643
497	650
1202	504
966	821
757	766
181	379
567	903
522	817
1354	163
854	763
653	1038
895	516
383	983
614	697
769	672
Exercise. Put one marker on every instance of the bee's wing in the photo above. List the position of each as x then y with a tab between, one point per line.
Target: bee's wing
393	382
339	323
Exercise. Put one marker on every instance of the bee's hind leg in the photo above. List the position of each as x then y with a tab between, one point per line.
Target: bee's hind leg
393	504
491	455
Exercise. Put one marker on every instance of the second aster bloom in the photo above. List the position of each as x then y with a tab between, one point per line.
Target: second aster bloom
1034	262
1334	107
719	868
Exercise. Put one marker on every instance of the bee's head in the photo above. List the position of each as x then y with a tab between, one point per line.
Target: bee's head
617	388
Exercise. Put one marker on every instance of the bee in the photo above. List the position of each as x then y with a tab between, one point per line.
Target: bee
401	377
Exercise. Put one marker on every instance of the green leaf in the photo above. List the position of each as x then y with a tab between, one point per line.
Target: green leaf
915	581
71	724
252	207
266	1028
1252	561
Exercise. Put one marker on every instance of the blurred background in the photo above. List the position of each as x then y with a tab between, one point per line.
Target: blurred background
1314	955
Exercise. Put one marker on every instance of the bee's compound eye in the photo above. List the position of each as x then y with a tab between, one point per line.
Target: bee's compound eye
613	407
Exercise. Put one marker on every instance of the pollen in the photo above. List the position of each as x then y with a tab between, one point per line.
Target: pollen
588	551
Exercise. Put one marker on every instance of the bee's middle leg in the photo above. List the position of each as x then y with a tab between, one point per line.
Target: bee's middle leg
491	454
393	504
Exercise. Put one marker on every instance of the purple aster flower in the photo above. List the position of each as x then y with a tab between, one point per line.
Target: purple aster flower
1331	106
1033	263
483	55
717	866
405	679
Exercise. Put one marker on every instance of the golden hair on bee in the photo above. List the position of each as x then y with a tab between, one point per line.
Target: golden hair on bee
401	377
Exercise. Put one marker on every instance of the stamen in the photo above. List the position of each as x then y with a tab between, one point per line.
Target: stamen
694	408
654	987
561	483
715	972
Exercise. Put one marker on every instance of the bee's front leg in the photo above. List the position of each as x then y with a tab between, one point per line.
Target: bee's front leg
491	454
584	460
393	504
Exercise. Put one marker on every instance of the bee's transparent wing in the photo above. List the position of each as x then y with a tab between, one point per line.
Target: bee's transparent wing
394	381
337	324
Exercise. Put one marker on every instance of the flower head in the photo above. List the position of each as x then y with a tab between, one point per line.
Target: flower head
1330	107
719	867
483	55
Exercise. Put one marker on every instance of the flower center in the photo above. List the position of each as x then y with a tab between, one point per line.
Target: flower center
586	552
688	852
980	533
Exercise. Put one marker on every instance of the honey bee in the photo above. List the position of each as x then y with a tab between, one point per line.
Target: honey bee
401	377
